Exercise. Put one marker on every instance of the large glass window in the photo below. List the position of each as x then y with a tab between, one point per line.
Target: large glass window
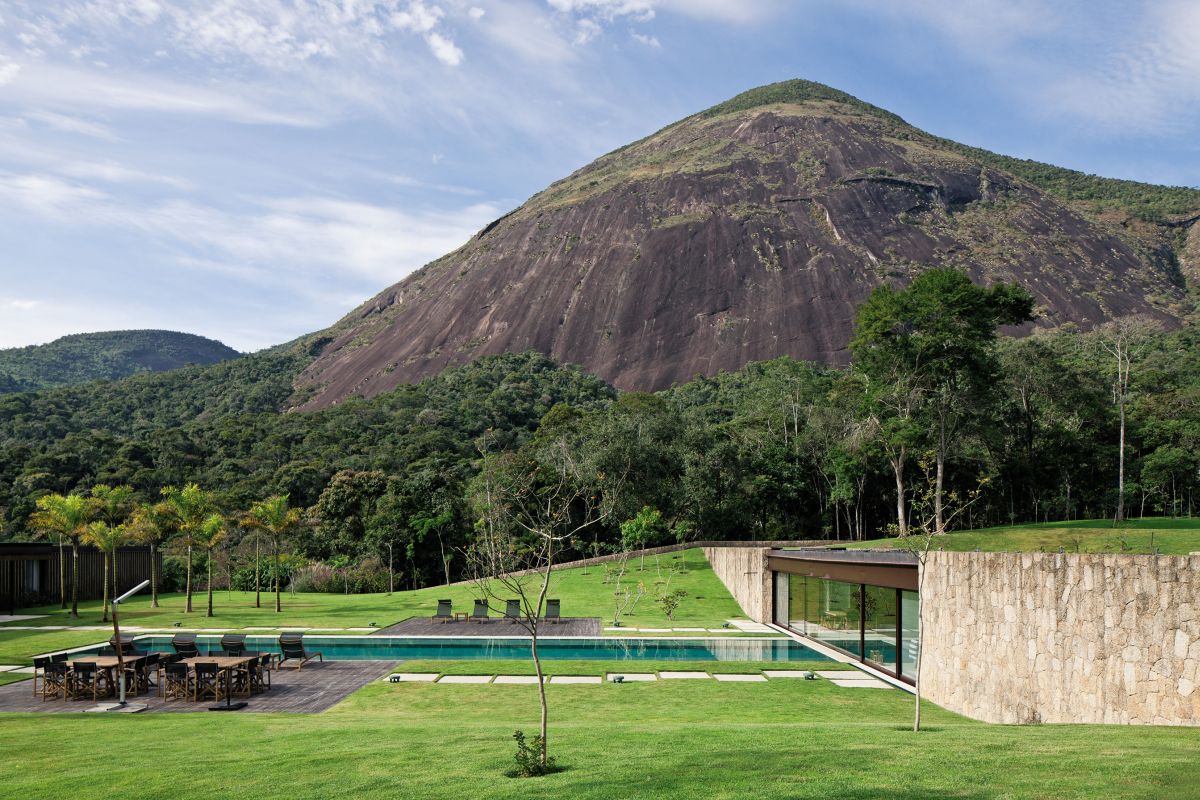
832	613
880	626
910	616
782	600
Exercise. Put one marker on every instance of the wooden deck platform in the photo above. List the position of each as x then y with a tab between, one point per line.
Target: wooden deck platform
316	687
424	626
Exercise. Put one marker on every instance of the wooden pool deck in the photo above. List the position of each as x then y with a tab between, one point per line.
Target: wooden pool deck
311	690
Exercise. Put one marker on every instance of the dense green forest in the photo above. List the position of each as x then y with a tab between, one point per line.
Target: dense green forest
85	357
779	449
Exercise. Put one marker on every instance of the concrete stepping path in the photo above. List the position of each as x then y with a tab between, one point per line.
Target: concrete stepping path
631	677
465	679
576	679
516	679
860	683
684	675
412	677
786	673
736	678
9	667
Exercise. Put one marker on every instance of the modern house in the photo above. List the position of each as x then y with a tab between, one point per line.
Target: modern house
31	573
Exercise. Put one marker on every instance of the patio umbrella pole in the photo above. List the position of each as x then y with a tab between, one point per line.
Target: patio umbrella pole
117	641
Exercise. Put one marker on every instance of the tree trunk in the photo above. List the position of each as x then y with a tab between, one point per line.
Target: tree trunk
74	579
939	522
537	661
901	511
188	605
391	571
209	614
104	616
445	563
1120	516
153	577
62	572
257	570
278	603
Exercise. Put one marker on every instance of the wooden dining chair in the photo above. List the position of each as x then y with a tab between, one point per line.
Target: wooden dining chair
207	682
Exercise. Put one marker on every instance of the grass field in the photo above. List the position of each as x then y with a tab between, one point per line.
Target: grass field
583	593
685	739
1168	536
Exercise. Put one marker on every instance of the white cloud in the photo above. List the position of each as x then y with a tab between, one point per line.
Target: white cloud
72	124
15	304
418	18
69	89
8	71
607	9
476	13
443	49
313	236
113	172
643	39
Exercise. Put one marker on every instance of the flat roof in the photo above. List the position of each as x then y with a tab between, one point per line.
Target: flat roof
896	569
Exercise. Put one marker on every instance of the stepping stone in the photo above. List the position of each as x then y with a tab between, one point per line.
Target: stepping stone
688	630
652	630
576	679
860	684
412	677
260	628
722	630
785	673
466	679
23	670
324	630
630	677
377	628
683	675
9	667
847	674
516	679
740	678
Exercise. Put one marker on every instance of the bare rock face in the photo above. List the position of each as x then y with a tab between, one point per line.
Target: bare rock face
747	232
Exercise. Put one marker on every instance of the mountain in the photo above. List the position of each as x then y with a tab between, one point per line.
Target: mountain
85	357
753	230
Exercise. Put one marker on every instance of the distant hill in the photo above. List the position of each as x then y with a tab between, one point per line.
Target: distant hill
754	230
85	357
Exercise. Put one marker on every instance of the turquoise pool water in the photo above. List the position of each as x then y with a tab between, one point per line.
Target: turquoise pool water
466	648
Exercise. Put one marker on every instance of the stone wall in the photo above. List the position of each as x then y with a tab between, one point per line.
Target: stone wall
1038	637
744	572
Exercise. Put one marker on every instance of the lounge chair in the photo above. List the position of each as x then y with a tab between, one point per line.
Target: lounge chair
444	612
128	645
292	647
512	610
185	644
480	612
234	644
552	611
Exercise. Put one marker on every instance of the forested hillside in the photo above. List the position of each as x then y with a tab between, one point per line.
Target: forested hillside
85	357
779	449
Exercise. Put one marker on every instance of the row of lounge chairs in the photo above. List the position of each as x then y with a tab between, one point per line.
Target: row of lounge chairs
291	647
512	612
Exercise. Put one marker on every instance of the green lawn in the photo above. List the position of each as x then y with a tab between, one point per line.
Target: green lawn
603	667
669	739
1169	536
583	593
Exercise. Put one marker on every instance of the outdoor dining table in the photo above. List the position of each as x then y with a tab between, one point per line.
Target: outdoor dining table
107	663
227	664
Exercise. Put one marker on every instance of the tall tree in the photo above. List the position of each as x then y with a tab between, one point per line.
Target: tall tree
66	516
108	539
1124	340
152	523
211	532
277	520
191	506
113	505
929	350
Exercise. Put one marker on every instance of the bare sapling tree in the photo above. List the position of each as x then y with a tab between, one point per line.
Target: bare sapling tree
1123	340
530	509
920	538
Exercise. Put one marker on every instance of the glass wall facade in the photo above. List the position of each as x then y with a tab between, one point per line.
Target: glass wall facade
874	623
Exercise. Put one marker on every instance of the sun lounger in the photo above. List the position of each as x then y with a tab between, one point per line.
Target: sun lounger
480	612
444	612
292	647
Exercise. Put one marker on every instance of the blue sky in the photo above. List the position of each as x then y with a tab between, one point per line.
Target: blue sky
252	169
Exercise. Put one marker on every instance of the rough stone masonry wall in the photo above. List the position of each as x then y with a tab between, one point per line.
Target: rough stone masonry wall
1040	637
744	572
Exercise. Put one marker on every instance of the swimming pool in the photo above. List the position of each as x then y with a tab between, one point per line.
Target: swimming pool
472	648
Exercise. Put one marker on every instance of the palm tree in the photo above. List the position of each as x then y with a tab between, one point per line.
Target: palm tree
107	539
211	532
190	505
152	523
113	505
67	517
273	517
